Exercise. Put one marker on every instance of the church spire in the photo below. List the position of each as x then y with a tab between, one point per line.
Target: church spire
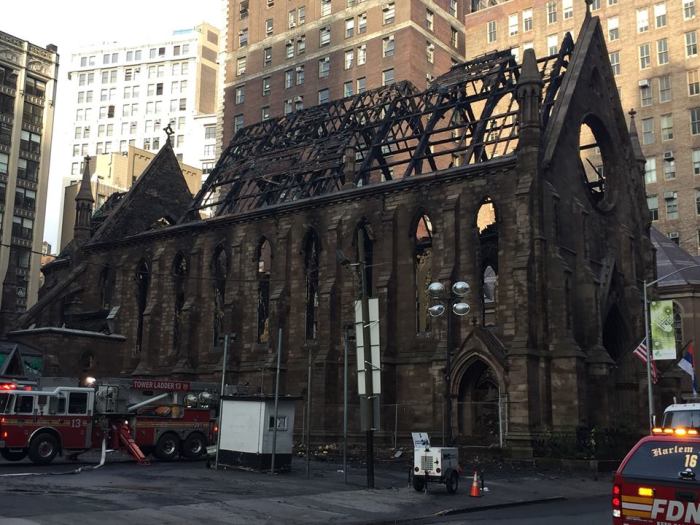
83	206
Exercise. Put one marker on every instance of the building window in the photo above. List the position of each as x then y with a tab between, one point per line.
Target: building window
269	27
265	113
430	52
301	44
645	98
243	37
266	86
362	55
697	202
615	62
361	85
642	20
568	8
453	8
240	94
389	13
552	44
429	20
267	56
347	89
491	31
613	28
349	27
388	46
696	161
551	12
527	20
691	44
650	171
694	82
289	49
349	58
665	88
237	123
660	15
648	131
300	75
362	24
454	37
669	166
324	67
325	7
688	9
671	198
288	78
324	96
644	56
662	51
653	205
240	66
324	36
387	77
513	24
695	121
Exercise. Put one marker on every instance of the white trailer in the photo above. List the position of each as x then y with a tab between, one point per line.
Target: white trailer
434	464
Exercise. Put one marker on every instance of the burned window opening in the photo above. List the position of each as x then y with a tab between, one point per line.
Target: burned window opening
311	270
107	279
143	281
264	259
592	165
487	226
368	238
180	271
220	271
422	270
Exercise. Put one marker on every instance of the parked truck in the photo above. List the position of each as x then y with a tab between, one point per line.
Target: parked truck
71	420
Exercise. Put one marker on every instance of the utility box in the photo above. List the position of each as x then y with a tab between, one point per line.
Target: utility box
247	429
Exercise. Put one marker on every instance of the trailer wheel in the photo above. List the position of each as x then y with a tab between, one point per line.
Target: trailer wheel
43	449
13	455
452	482
195	446
419	483
168	447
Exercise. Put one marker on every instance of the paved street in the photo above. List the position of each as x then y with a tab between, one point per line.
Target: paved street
184	492
584	511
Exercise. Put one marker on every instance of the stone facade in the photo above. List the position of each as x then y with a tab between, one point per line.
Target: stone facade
551	329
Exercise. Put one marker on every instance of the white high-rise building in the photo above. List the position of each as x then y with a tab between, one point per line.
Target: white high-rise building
127	94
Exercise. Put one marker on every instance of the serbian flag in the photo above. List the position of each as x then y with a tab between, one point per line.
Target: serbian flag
641	352
688	366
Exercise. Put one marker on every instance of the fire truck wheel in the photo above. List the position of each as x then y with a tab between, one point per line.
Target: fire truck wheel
452	482
168	447
13	455
419	483
43	449
195	446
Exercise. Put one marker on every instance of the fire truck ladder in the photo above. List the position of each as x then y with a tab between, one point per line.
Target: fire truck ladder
130	444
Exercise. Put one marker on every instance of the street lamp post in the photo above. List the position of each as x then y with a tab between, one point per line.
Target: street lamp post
455	300
647	336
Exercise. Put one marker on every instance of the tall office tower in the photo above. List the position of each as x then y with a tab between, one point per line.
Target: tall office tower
125	95
28	75
653	49
284	55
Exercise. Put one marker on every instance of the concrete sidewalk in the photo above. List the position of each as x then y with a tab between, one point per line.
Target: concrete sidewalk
188	492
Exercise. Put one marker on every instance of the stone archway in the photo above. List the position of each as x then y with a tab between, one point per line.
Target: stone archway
476	394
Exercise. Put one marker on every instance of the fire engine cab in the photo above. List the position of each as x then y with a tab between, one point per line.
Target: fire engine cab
72	420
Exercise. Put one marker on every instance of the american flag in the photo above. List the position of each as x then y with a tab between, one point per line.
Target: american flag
642	352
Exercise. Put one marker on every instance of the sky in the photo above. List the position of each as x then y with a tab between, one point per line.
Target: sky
73	24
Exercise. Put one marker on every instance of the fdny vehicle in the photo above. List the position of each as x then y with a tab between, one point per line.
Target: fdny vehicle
658	482
72	420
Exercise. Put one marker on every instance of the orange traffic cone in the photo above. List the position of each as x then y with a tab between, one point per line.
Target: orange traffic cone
475	491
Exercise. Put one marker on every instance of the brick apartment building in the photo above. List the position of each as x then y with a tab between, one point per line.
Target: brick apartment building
286	55
653	50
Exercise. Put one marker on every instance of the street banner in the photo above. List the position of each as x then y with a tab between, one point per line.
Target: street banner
374	354
663	337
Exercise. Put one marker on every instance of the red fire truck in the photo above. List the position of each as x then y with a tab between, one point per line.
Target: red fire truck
72	420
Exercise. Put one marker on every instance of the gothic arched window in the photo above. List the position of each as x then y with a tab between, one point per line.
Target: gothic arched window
487	226
365	233
219	271
180	271
311	262
264	259
422	270
143	281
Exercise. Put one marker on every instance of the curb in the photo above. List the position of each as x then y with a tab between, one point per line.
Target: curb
467	510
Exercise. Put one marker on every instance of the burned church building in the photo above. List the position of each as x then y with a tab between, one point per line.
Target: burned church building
521	179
